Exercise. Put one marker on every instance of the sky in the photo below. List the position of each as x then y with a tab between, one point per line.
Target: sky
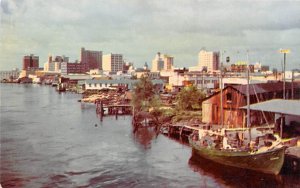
139	29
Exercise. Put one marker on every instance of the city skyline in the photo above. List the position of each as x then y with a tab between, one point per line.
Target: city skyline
140	29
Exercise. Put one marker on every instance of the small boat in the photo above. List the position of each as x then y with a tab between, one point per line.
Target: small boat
267	158
61	88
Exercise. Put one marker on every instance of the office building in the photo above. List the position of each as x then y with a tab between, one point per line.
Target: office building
113	62
54	65
30	62
91	59
209	61
168	62
162	62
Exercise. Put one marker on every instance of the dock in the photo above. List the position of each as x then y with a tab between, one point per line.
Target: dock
112	109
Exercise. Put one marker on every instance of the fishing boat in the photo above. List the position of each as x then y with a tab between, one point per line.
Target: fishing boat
266	155
237	147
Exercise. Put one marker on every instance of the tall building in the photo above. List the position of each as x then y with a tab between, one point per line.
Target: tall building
91	59
162	62
113	62
30	62
209	60
55	65
61	59
168	62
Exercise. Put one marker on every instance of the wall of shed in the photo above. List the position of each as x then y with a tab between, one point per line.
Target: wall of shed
232	116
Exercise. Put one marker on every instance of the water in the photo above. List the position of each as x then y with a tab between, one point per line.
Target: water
49	140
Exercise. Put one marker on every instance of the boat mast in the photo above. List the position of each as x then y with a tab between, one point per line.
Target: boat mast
221	87
248	93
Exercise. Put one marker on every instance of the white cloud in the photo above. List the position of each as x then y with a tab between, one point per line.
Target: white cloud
139	29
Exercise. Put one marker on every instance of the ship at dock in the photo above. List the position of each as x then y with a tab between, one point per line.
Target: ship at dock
266	155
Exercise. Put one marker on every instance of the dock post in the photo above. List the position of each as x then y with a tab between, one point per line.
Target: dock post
180	134
101	111
117	110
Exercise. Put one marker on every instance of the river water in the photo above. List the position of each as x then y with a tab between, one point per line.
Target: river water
48	139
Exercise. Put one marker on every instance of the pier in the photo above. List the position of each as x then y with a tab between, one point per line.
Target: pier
112	109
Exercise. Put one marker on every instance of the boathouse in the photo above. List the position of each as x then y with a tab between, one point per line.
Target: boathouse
235	96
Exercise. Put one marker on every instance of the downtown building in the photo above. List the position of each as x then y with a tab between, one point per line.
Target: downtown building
209	61
162	62
113	63
30	62
55	65
88	60
73	68
91	59
8	75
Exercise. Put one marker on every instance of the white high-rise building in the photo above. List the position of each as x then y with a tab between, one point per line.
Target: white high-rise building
157	63
162	62
209	60
112	62
168	62
54	66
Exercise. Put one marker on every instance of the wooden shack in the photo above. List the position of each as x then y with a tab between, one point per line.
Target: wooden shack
235	96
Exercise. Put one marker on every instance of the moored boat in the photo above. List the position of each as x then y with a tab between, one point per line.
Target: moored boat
267	159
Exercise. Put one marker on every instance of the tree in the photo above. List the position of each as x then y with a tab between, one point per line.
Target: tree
143	93
189	98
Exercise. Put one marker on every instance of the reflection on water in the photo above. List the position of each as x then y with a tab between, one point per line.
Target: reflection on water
144	136
49	140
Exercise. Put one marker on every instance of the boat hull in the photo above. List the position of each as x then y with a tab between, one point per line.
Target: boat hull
269	162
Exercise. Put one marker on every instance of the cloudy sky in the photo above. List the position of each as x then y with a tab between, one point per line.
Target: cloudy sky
140	28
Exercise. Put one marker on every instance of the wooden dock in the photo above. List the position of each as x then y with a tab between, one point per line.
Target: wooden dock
112	109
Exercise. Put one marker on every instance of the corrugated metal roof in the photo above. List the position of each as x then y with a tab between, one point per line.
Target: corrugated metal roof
263	87
290	107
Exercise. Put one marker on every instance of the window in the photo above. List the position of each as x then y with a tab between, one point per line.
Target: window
90	85
95	85
229	97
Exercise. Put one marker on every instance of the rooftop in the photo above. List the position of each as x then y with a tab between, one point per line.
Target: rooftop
263	87
281	106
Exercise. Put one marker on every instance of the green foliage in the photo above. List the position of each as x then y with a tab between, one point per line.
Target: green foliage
189	98
187	116
143	93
